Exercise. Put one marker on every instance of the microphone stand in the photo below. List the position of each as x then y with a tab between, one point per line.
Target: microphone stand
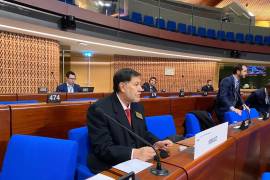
158	170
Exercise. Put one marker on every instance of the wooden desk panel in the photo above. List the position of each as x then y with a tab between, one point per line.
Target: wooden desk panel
8	97
39	97
216	164
4	131
247	161
205	103
265	147
156	106
179	108
84	95
52	120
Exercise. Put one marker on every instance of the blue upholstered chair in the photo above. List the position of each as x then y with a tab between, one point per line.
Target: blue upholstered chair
161	126
232	117
202	31
82	99
266	176
230	36
266	40
19	102
239	37
182	28
149	21
258	40
80	135
221	35
136	17
249	38
211	33
171	26
191	30
192	125
33	157
160	23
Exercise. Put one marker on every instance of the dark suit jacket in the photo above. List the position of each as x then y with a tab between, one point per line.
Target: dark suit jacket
146	87
110	144
257	100
63	88
226	97
207	88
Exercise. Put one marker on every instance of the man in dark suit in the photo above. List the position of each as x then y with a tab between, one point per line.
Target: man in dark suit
69	86
260	99
228	97
150	86
208	87
110	143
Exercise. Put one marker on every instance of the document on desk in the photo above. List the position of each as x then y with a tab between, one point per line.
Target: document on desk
134	165
99	177
209	139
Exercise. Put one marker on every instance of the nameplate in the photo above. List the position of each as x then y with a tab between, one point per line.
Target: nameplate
53	98
209	139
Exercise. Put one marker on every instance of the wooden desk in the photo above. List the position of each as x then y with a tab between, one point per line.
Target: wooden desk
84	95
174	173
265	147
4	131
39	97
52	120
8	97
215	164
156	106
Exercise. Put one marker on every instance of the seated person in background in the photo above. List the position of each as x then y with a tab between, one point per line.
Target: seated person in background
208	87
110	143
150	87
228	97
259	99
69	86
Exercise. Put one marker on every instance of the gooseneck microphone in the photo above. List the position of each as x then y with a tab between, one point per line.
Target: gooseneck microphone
158	170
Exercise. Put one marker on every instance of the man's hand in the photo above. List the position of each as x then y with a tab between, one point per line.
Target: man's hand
237	111
144	153
163	144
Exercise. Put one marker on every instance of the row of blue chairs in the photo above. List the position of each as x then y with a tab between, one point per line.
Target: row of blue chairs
200	31
18	102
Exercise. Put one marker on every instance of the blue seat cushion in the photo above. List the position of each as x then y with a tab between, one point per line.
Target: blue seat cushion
161	126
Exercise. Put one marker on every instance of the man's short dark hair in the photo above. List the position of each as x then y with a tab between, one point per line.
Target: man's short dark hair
70	73
238	67
152	78
209	80
123	75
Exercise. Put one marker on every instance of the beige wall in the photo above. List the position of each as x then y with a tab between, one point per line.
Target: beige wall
95	71
102	68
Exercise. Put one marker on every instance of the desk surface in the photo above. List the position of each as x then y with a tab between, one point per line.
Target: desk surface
245	155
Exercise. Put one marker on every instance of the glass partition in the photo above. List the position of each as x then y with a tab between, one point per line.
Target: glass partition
149	12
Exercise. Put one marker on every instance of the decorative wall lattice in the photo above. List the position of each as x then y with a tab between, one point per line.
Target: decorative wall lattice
189	74
27	62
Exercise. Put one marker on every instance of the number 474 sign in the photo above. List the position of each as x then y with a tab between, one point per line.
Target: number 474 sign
53	98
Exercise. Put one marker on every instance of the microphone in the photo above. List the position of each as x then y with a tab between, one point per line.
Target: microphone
158	170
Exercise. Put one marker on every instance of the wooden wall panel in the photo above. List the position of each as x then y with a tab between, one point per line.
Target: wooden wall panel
27	62
189	74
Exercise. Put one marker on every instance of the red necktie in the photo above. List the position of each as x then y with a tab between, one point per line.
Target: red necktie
128	115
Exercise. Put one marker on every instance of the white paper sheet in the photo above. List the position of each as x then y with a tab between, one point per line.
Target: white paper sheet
99	177
134	165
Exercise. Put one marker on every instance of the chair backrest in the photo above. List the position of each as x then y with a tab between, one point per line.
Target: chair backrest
232	117
192	125
171	25
161	126
33	157
80	135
